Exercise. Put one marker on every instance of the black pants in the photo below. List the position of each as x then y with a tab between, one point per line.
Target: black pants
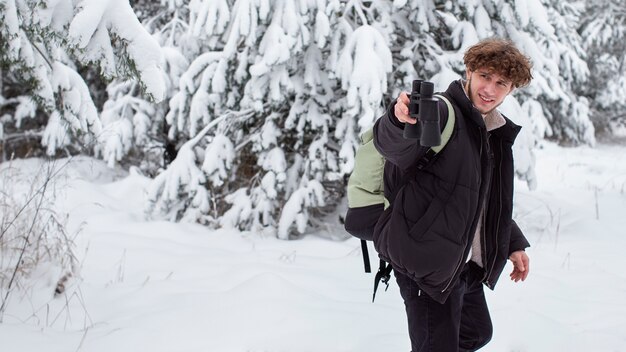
461	324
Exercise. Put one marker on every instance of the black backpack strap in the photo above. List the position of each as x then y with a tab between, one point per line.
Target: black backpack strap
425	160
366	257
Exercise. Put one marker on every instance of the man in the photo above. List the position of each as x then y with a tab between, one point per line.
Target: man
449	230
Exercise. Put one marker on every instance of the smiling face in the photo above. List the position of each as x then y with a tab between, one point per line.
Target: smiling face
487	89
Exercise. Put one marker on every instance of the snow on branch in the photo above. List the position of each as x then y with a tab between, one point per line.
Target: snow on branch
363	67
77	110
181	191
208	16
464	35
126	122
89	31
240	211
295	211
200	88
219	157
274	50
11	24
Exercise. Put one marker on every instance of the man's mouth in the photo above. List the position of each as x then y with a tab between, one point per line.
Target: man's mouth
485	99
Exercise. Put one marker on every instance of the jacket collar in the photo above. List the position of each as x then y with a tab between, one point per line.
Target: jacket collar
508	132
494	120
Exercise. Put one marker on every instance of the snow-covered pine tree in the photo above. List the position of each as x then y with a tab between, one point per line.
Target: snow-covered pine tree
135	130
43	41
604	31
570	118
300	81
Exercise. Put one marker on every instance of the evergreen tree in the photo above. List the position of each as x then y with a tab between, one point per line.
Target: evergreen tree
135	129
287	87
42	43
604	29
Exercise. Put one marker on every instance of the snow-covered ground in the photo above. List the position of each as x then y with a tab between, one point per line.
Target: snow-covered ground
158	286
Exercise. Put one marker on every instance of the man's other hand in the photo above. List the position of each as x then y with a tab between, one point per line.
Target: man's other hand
521	265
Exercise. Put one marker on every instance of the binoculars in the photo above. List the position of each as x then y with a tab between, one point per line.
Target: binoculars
423	107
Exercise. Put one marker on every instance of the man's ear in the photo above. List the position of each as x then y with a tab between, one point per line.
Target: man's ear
468	73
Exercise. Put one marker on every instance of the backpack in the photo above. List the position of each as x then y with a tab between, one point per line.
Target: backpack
366	198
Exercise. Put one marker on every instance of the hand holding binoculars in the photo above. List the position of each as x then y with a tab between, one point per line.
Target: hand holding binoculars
423	107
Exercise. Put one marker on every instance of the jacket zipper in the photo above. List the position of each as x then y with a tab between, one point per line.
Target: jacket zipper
483	219
493	261
483	237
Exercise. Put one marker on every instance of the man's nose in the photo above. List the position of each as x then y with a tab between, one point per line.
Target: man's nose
490	88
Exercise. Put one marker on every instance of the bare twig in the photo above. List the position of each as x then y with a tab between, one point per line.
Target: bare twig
595	193
566	261
41	191
557	230
5	300
42	236
82	340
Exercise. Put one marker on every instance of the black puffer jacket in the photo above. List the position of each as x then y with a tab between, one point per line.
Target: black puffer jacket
427	232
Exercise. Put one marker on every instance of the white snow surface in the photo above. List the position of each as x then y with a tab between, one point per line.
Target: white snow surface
160	286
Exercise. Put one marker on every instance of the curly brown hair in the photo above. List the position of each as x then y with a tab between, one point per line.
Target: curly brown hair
500	56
